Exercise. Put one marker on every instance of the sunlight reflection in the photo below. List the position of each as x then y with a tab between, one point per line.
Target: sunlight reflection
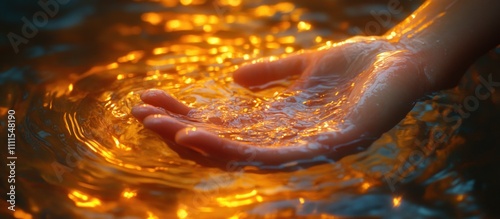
83	200
239	199
189	48
396	201
151	215
20	214
182	212
303	26
128	194
153	18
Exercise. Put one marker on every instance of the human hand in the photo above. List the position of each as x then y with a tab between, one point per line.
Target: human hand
346	95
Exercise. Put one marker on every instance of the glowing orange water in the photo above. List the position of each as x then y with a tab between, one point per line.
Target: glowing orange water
84	150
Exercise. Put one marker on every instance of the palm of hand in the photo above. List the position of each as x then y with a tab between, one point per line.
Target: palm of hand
346	96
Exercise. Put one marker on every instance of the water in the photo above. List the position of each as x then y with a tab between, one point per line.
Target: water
82	155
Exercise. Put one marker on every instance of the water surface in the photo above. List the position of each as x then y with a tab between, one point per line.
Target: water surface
82	155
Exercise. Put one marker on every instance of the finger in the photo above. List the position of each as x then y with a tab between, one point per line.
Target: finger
266	71
142	111
164	125
161	99
327	70
212	145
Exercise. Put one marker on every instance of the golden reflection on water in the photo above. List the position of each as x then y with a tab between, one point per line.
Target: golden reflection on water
129	194
83	200
196	69
109	159
238	200
22	215
152	216
182	213
396	201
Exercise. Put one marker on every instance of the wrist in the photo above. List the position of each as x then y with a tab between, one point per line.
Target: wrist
447	36
441	67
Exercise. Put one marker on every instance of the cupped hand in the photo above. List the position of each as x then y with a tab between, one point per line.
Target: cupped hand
353	91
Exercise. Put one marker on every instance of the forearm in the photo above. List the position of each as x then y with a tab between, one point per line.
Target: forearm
449	35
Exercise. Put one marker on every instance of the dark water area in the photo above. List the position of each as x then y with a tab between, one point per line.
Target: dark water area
80	154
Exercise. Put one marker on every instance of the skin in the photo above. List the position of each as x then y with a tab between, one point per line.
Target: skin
428	51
